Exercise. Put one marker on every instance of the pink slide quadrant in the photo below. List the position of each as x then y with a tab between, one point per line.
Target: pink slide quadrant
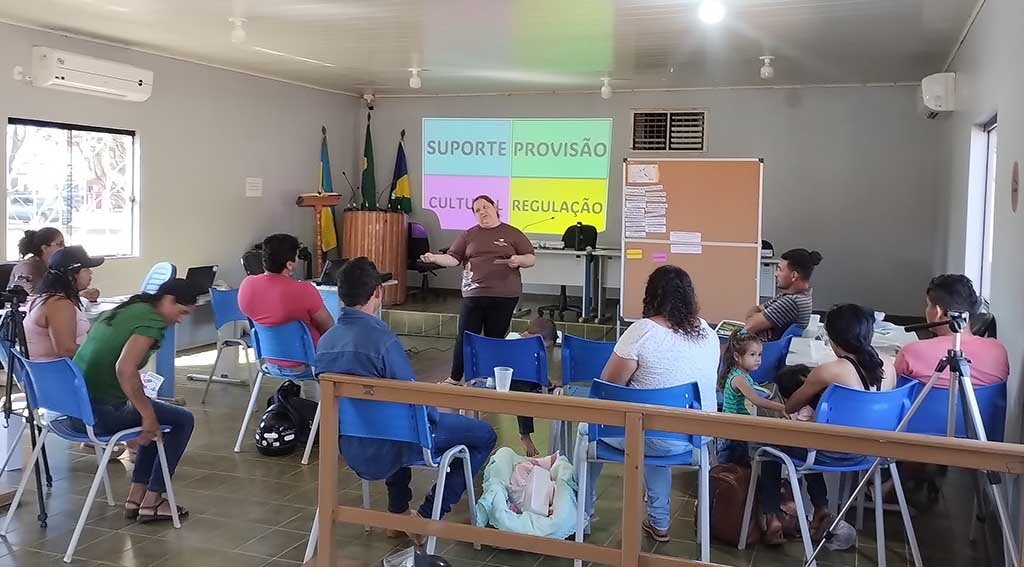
451	197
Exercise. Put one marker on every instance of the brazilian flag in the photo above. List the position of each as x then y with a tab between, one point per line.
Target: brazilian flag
401	192
369	182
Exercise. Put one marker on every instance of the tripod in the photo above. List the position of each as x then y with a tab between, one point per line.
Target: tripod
12	336
959	387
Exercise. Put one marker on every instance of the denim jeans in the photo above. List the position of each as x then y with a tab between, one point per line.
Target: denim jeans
111	418
451	429
657	479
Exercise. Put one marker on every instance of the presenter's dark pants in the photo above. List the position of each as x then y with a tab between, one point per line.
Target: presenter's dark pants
487	316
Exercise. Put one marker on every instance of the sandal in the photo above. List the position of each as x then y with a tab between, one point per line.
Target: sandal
131	513
156	516
449	381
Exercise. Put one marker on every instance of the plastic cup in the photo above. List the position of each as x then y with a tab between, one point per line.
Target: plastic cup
502	378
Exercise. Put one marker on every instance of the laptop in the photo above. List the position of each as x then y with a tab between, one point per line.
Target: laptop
330	274
202	277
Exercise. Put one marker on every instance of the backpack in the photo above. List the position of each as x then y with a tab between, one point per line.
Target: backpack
728	494
289	407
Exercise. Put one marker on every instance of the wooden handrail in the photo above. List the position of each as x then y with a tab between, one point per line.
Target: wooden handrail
965	453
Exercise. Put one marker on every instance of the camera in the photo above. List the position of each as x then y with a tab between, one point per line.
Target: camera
14	296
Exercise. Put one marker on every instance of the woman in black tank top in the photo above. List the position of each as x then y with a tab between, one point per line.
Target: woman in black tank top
850	328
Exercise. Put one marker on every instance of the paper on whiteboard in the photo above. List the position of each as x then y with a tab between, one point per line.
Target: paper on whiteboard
687	249
642	173
636	235
680	236
151	384
253	186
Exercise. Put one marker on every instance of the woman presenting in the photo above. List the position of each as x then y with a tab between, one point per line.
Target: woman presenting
491	254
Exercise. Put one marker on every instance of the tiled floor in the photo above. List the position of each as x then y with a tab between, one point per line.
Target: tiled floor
247	510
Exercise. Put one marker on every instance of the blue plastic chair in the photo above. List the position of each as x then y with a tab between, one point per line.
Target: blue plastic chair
588	449
527	357
930	417
162	272
19	405
58	387
583	361
773	355
289	342
847	407
391	421
224	303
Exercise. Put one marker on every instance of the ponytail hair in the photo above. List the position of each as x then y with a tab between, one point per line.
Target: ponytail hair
183	292
739	341
61	283
31	244
851	327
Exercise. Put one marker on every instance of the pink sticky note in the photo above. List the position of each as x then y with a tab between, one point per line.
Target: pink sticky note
659	257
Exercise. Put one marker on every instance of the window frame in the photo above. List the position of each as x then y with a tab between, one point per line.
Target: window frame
133	198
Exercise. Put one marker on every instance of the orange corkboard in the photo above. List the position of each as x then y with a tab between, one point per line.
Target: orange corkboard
701	215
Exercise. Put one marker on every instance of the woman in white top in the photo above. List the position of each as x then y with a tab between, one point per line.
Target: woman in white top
670	346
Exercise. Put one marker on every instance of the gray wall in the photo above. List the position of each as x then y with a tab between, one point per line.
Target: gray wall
848	171
989	81
201	134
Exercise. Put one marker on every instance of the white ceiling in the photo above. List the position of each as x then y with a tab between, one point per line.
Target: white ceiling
478	46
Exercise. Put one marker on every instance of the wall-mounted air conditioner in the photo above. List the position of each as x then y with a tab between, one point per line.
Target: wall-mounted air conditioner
72	72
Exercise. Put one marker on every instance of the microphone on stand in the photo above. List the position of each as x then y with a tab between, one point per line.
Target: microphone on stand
535	223
352	201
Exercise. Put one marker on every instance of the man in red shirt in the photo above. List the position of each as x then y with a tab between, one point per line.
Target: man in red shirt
274	298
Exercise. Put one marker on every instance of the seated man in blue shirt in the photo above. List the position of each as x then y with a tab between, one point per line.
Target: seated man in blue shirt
361	344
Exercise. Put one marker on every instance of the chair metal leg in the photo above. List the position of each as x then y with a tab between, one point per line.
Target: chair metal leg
313	532
879	517
248	410
801	512
14	447
248	363
860	504
100	475
908	525
312	435
46	469
24	482
168	489
442	477
213	372
581	496
467	471
748	509
704	505
106	478
366	500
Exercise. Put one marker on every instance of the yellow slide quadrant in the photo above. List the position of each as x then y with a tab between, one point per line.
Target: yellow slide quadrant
538	199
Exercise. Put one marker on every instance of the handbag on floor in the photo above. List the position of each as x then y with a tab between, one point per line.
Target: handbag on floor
728	494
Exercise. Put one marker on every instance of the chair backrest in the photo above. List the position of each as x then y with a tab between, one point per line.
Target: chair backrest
773	355
419	242
290	341
384	420
984	325
583	359
840	405
224	303
683	396
580	237
332	302
160	272
252	263
527	357
55	385
930	417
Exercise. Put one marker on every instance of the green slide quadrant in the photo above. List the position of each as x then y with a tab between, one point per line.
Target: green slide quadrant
537	200
573	149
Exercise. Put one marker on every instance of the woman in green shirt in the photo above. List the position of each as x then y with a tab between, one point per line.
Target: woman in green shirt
114	351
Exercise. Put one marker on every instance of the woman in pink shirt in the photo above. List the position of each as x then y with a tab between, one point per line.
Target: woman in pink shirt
989	363
56	322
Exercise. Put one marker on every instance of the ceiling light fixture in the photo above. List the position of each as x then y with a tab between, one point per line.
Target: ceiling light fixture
238	30
711	11
606	88
415	81
290	56
767	71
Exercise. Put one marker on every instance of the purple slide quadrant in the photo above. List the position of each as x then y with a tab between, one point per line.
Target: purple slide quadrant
451	197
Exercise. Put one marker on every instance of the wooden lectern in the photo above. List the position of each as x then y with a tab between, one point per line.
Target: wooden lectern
318	201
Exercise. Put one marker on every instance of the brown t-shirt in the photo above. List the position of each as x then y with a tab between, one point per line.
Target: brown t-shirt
478	248
28	273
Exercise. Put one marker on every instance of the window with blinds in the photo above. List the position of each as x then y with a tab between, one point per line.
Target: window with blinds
669	131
